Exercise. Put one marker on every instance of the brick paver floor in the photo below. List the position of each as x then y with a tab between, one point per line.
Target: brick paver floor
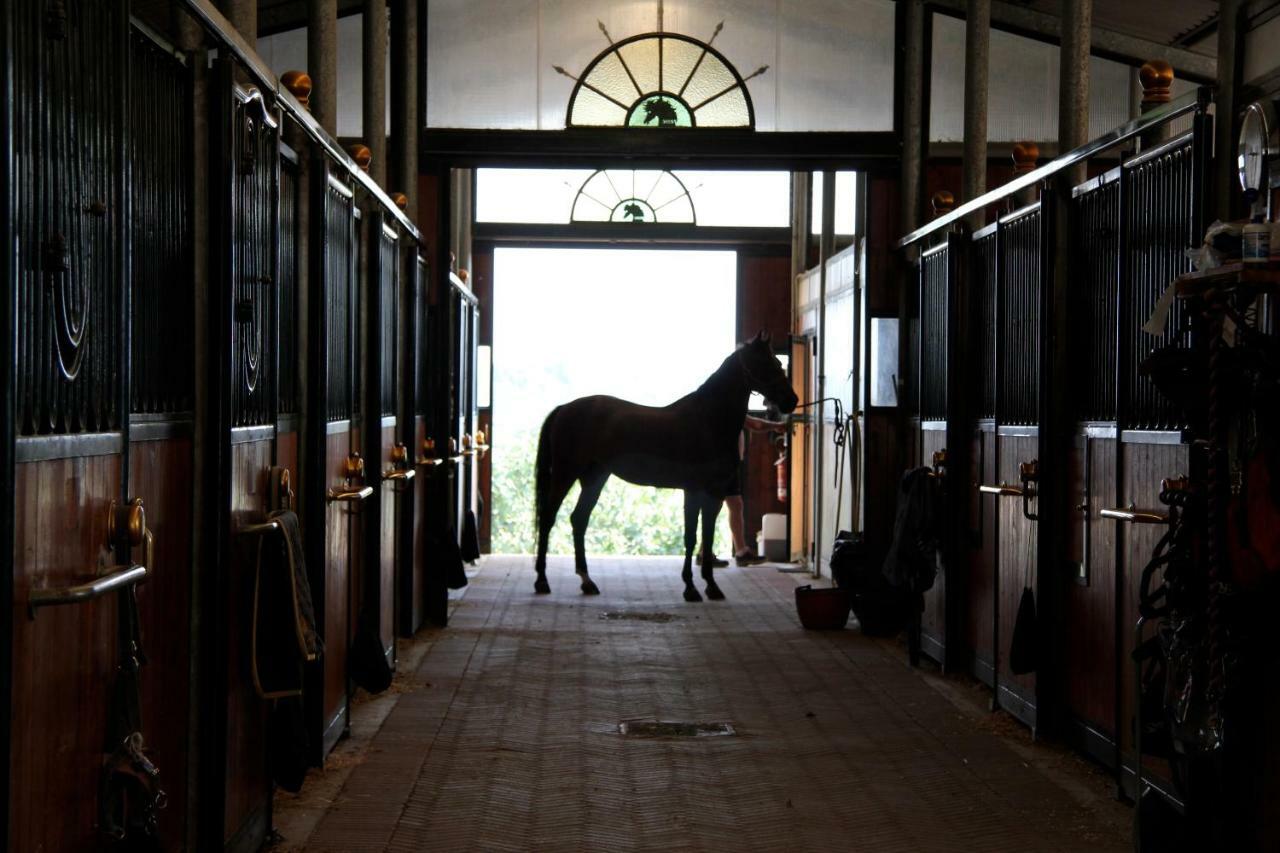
507	735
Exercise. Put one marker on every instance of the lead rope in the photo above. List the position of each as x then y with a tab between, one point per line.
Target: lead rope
840	431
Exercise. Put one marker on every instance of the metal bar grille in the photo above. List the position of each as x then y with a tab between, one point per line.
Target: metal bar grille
1158	199
389	285
1094	299
339	294
162	302
1019	328
256	228
289	355
933	334
67	138
420	290
985	304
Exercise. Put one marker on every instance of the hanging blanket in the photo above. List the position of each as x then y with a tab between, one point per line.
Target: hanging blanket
284	623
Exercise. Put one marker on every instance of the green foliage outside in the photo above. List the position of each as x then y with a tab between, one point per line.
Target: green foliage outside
628	519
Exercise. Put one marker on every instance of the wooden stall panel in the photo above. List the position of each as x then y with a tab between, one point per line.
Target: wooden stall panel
64	657
1017	571
248	795
933	621
386	535
160	474
1142	467
338	580
980	581
1091	600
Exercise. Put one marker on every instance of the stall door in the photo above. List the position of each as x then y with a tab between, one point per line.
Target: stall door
936	268
244	303
413	575
1016	446
335	489
466	319
977	539
389	456
83	540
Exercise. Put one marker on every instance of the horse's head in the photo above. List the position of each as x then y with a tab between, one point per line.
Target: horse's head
764	373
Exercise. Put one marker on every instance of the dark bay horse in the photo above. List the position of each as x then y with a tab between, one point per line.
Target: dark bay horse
691	444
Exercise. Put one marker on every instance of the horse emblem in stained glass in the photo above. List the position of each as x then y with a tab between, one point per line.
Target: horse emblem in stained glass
633	195
663	80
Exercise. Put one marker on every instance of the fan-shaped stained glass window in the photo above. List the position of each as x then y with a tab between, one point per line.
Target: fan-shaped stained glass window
660	80
621	195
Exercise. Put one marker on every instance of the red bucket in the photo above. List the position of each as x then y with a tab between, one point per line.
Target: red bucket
823	609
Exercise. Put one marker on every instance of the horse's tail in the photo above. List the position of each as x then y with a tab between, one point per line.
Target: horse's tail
542	472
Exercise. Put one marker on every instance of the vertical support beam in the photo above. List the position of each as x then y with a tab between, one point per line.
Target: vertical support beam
913	107
374	127
405	128
440	359
977	51
1073	86
1057	421
322	61
826	245
8	381
202	754
1227	107
243	15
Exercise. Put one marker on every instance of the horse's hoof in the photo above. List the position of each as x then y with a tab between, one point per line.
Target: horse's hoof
691	594
589	587
714	593
541	587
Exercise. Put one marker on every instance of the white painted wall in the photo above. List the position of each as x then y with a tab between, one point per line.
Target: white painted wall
1022	90
830	61
1262	50
288	52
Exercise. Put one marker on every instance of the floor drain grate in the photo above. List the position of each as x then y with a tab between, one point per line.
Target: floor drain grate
670	728
636	616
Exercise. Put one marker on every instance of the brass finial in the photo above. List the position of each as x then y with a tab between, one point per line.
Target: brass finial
942	202
1025	155
361	154
401	200
299	85
1157	78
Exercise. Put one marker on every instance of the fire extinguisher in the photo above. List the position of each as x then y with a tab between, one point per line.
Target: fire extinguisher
780	466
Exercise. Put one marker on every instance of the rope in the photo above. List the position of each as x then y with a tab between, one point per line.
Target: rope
840	430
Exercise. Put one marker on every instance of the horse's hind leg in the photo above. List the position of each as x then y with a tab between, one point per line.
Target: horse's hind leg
692	501
546	521
592	485
710	511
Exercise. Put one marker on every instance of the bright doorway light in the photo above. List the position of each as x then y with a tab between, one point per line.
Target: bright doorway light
646	325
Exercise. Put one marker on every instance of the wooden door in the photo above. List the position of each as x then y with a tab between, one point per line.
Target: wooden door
1016	445
244	313
412	601
387	454
335	469
96	429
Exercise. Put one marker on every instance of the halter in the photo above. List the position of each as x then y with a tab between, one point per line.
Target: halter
743	364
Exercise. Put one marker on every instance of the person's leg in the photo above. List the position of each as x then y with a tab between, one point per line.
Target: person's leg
733	503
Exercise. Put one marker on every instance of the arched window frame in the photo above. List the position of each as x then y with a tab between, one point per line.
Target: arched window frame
740	82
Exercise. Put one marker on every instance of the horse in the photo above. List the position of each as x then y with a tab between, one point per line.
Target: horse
691	444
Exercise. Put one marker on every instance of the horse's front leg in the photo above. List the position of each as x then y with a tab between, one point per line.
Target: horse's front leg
710	512
692	502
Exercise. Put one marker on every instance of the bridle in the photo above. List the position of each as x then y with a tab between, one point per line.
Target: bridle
753	379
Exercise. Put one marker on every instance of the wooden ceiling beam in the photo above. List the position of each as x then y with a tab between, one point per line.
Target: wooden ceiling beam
1187	64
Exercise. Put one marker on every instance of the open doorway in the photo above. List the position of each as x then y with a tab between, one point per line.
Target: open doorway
648	325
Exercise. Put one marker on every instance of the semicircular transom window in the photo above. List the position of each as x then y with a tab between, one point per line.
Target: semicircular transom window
627	195
661	80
